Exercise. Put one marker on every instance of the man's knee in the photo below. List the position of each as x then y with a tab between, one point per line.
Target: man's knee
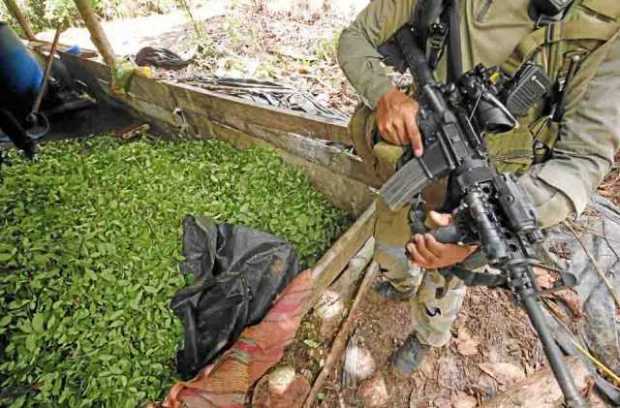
436	308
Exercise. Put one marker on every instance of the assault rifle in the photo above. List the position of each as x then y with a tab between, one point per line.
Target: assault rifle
490	209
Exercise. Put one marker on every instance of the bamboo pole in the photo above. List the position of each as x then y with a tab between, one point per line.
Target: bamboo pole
21	18
48	71
97	34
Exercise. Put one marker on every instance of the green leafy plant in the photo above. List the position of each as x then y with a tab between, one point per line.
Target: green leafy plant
89	253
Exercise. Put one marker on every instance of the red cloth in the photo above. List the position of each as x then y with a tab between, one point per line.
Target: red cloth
225	383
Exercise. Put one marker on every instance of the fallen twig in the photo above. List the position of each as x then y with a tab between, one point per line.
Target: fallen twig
340	342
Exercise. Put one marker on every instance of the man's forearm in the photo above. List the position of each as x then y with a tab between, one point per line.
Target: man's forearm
588	141
552	205
363	67
357	49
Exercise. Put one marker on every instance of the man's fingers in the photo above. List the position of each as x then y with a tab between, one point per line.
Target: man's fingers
415	256
433	246
400	130
440	219
423	250
413	136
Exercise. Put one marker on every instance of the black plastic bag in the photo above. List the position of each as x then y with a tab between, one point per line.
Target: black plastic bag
238	274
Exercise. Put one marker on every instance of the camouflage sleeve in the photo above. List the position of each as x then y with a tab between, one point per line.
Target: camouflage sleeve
589	140
357	49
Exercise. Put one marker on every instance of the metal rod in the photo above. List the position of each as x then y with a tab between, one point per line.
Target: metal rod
48	70
21	18
572	398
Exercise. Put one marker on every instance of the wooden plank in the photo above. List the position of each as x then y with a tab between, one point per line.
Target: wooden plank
339	344
233	111
343	192
159	100
228	110
318	151
337	258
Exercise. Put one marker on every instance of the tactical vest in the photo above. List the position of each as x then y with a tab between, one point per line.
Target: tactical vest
567	49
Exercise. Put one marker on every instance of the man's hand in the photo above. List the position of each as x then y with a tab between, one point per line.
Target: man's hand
426	252
396	120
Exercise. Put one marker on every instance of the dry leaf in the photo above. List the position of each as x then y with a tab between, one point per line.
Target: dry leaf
572	300
503	373
465	344
374	392
462	400
544	278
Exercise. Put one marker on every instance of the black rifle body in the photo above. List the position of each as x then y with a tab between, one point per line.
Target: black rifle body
490	208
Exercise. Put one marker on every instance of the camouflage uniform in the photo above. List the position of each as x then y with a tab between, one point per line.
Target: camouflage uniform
498	32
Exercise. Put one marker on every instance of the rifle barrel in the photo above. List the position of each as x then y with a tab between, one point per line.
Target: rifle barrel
572	397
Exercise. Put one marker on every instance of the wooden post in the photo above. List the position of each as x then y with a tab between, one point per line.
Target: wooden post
97	34
21	18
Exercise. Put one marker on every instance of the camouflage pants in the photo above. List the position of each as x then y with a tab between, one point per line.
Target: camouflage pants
433	315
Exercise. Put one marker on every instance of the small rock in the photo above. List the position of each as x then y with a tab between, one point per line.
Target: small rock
281	379
374	392
281	389
358	362
331	311
330	305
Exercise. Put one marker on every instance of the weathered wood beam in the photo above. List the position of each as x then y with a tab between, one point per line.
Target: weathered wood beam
97	34
298	135
236	112
340	341
21	18
228	110
337	258
160	100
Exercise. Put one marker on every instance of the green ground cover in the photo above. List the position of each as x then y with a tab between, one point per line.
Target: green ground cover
89	253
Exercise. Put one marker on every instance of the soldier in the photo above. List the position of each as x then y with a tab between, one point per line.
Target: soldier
561	152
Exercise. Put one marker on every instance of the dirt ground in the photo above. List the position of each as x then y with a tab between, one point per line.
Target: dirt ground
492	347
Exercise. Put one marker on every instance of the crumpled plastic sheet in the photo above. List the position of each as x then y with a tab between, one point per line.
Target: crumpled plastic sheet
226	383
598	229
266	93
